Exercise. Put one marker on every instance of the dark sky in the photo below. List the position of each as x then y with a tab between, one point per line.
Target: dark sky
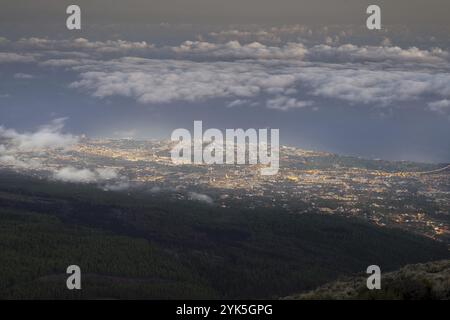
419	12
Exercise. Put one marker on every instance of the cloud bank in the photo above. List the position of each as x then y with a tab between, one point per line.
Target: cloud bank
72	174
280	77
22	150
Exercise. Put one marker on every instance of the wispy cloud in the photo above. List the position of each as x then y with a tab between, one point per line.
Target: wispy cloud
200	197
47	136
163	81
11	57
442	106
23	76
21	151
72	174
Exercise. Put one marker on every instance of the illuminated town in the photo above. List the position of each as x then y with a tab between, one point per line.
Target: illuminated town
408	195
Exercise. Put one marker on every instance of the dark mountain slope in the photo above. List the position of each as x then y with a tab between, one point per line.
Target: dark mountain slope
412	282
142	245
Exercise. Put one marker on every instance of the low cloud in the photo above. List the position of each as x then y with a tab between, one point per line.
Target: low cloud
200	197
17	149
11	57
442	106
23	150
47	136
284	103
278	83
31	150
23	76
12	160
350	53
235	50
60	63
72	174
82	44
163	81
117	186
366	86
284	77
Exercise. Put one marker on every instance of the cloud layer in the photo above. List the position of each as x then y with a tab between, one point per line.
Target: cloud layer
278	84
47	136
72	174
22	150
280	77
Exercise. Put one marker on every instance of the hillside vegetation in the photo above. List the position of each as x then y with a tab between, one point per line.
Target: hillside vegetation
150	246
413	282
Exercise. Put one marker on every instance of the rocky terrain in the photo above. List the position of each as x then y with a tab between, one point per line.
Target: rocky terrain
412	282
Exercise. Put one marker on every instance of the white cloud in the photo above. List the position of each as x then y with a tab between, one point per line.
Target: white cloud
24	76
106	173
281	77
350	53
235	50
110	46
117	186
72	174
200	197
442	106
284	103
23	150
12	160
232	49
48	136
16	149
163	81
11	57
238	103
60	63
267	35
364	86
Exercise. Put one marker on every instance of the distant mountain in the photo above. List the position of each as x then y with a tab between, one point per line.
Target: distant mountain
413	282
